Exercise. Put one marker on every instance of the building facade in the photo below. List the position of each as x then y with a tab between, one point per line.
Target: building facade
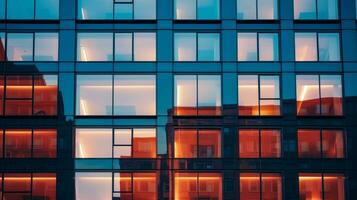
178	99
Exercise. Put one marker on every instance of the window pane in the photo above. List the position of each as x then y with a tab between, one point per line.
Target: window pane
45	95
208	9
305	9
19	95
45	143
310	186
2	16
95	47
308	97
46	46
185	95
331	94
185	143
327	9
20	9
209	143
269	89
208	47
210	186
19	46
1	149
16	182
271	187
185	9
185	46
90	9
134	95
2	82
122	136
267	9
246	9
144	46
94	143
93	186
94	95
186	186
247	47
332	144
123	46
309	144
209	95
47	9
249	143
44	186
334	187
2	46
18	143
145	9
268	47
145	186
144	143
305	47
122	152
122	182
248	95
249	186
329	47
270	145
123	11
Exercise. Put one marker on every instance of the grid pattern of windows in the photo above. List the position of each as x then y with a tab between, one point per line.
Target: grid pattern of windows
197	9
260	186
316	9
257	9
29	9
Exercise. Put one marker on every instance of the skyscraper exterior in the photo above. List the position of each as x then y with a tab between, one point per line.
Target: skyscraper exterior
178	99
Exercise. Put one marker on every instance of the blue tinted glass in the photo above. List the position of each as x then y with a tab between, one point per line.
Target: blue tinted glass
208	9
144	9
19	46
268	47
123	11
46	46
327	9
246	9
267	9
247	47
208	47
185	9
47	9
123	47
20	9
95	9
329	47
95	47
304	9
185	46
2	9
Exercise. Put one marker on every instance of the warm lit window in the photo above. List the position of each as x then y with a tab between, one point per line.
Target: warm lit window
2	46
316	9
28	186
197	9
256	186
258	47
255	143
197	95
119	185
319	95
315	143
21	47
192	143
27	143
30	9
133	95
321	186
317	47
191	186
258	95
197	47
94	46
257	9
116	9
116	143
28	95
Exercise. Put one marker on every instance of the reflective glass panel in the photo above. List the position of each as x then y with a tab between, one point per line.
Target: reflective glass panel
332	144
123	11
20	46
267	9
327	9
144	46
94	46
44	186
2	16
90	9
45	143
145	9
329	47
305	9
20	9
185	95
185	46
123	47
209	144
249	186
309	144
270	144
185	143
209	95
18	143
93	185
208	47
269	95
310	186
123	182
248	95
305	47
247	47
144	143
331	95
186	186
47	9
45	95
307	95
185	9
249	143
2	46
268	47
246	9
46	46
145	186
208	9
94	143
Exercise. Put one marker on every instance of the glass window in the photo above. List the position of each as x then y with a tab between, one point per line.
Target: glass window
332	144
1	95
18	143
123	11
94	95
2	46
87	139
20	46
256	186
197	95
268	47
134	95
308	10
15	183
208	47
247	47
185	143
319	95
185	46
95	47
144	46
208	9
19	9
197	9
47	9
1	149
185	9
2	16
45	143
270	144
266	43
317	186
89	9
305	47
45	95
249	143
257	9
305	9
93	185
309	143
145	9
18	95
209	144
44	186
123	47
329	47
258	95
46	46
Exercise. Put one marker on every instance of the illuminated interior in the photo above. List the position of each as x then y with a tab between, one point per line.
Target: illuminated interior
333	144
309	145
255	186
18	143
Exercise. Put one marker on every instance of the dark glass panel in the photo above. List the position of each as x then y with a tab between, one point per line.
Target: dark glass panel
249	143
2	43
20	9
1	95
1	148
45	143
47	9
309	145
44	186
18	143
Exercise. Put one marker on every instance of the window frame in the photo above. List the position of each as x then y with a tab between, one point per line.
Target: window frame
316	13
35	16
174	15
257	12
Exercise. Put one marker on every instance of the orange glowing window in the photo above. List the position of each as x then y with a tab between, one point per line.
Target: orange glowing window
332	144
256	186
1	143
317	186
45	95
309	143
44	186
18	143
191	186
45	143
258	95
255	143
191	143
1	94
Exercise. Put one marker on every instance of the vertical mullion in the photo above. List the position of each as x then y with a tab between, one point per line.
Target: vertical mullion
258	77
256	10
196	10
132	46
317	46
132	185
319	86
33	46
33	95
31	184
316	10
132	9
322	187
197	108
113	183
131	144
34	9
257	37
113	142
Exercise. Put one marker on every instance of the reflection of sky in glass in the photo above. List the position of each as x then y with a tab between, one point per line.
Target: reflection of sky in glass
329	47
95	47
208	47
327	9
123	47
95	9
185	9
185	91
268	47
305	47
20	46
267	9
305	9
123	11
20	9
208	9
248	90
2	9
247	46
144	9
47	9
185	46
331	86
144	46
269	87
46	46
209	90
246	9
